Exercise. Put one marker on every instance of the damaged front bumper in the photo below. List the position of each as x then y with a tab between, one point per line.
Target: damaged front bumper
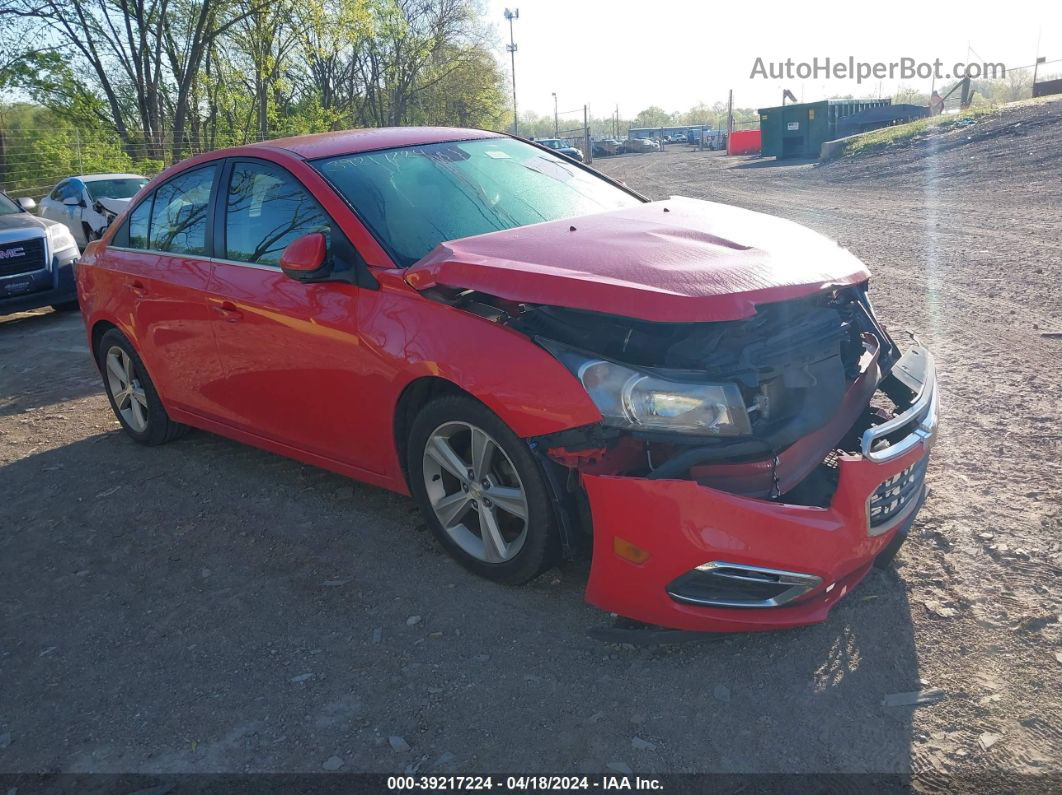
681	554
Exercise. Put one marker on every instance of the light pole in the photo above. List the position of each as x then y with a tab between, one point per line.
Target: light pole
556	123
511	47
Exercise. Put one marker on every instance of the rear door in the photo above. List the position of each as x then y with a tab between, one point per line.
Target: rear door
295	370
163	258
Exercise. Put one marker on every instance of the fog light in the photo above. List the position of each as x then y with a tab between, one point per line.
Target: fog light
719	584
629	551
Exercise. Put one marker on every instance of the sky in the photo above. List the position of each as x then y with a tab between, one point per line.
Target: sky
676	53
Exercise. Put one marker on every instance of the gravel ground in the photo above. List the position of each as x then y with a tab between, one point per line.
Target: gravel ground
207	607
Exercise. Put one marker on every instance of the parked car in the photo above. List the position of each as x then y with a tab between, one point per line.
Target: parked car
561	146
608	146
87	204
697	396
641	145
37	259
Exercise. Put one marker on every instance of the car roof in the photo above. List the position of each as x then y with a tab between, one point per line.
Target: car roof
346	142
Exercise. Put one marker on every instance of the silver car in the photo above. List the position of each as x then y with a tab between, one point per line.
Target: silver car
87	204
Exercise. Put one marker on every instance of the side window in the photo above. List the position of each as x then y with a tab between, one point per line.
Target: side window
138	223
179	213
71	189
57	194
266	208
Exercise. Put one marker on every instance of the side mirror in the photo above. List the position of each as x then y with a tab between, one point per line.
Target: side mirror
27	204
73	201
306	258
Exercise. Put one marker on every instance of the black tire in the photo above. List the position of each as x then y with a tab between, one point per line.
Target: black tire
160	428
541	544
66	306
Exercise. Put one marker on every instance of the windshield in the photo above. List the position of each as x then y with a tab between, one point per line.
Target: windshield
7	207
124	188
416	197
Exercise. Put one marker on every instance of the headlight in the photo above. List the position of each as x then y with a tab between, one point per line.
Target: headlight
59	238
630	398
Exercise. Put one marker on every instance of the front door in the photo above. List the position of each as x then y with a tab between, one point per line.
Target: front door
294	366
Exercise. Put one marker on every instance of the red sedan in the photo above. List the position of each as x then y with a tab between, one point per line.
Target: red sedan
698	396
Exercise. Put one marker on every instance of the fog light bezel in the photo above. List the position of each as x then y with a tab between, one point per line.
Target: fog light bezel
793	585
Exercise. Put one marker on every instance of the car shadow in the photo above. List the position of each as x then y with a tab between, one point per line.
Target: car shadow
64	370
205	606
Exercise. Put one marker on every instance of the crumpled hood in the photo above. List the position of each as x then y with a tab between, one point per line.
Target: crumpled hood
680	260
116	206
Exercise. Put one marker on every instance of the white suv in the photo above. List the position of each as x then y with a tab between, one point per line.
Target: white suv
88	204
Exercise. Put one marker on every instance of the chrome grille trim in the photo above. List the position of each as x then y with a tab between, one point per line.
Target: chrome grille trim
922	413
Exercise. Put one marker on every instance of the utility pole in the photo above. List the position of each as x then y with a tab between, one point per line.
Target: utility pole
511	47
589	148
556	122
729	119
1037	61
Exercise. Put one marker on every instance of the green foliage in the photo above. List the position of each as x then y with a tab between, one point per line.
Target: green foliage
877	139
159	86
41	147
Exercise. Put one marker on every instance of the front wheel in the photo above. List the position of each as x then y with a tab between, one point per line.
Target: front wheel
481	491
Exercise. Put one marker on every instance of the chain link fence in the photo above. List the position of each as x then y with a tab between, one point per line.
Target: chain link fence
34	159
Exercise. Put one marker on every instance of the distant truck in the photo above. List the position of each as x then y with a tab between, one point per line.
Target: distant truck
37	259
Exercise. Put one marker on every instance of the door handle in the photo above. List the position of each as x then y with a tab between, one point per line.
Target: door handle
137	288
229	312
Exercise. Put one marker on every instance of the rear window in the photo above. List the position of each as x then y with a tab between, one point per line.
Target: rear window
416	197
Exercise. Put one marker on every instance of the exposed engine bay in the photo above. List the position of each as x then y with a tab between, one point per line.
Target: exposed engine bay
813	374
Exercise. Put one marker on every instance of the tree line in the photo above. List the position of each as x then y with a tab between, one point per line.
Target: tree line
158	80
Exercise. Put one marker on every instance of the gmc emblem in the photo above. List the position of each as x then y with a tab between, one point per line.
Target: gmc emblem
8	253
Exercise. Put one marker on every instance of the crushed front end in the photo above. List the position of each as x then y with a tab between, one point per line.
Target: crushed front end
748	473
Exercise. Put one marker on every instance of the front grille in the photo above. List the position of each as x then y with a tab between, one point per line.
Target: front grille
890	498
21	256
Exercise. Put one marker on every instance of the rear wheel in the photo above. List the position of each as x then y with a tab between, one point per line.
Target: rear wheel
481	491
131	393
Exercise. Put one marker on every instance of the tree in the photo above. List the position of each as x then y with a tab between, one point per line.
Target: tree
652	116
330	33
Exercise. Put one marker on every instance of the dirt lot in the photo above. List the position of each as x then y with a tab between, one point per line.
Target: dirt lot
209	607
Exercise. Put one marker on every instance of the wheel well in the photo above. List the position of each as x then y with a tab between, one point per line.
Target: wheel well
414	397
98	330
573	522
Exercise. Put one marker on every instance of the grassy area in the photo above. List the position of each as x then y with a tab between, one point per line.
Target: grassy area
877	139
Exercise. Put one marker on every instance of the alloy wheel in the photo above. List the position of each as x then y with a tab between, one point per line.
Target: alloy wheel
475	492
126	389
